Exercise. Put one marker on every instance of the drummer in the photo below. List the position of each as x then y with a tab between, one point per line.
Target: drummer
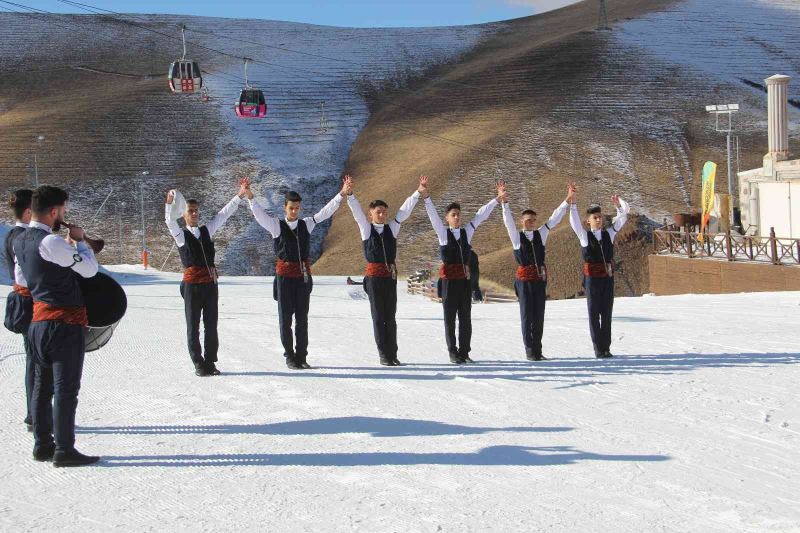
51	266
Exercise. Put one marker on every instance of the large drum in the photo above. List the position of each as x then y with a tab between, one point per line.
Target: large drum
106	304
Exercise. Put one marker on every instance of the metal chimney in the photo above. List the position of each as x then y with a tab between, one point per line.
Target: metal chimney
778	129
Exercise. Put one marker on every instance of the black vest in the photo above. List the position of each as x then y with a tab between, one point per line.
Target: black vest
48	282
597	251
197	252
530	252
292	245
456	252
16	230
378	242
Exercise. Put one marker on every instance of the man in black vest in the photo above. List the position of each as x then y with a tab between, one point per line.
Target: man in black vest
597	249
531	277
454	277
51	266
293	283
199	285
19	304
380	281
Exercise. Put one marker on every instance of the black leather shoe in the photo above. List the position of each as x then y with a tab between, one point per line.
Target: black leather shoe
396	362
385	361
466	359
607	355
73	458
212	369
456	359
293	364
30	427
536	357
44	453
200	370
303	363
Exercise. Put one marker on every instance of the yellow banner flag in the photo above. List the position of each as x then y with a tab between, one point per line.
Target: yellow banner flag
707	195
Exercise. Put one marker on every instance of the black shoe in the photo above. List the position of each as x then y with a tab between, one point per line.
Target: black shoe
396	362
44	453
466	359
212	369
200	370
385	361
293	364
456	359
536	357
607	355
303	363
603	355
30	427
73	458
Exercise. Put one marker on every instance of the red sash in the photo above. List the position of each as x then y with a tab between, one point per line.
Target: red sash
530	273
22	291
291	269
199	274
453	271
379	270
597	270
70	315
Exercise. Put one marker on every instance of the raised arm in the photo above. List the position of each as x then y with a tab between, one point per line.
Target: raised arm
79	258
508	219
225	213
264	219
622	215
482	214
577	225
364	227
330	208
436	221
558	214
404	212
172	224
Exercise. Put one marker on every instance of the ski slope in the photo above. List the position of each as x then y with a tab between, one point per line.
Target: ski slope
693	427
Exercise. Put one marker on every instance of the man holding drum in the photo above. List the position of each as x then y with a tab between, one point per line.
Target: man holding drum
51	266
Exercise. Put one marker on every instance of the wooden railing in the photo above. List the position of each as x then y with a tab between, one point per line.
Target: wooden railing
729	246
421	283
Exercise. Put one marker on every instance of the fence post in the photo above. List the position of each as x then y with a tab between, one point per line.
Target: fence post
797	242
750	246
728	244
773	244
688	241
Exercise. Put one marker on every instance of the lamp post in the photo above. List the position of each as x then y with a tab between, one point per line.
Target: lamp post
727	129
144	242
39	141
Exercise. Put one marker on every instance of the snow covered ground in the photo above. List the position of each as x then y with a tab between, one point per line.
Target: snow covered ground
693	427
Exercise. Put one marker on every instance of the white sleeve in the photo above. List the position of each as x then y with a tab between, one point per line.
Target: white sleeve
577	225
323	214
436	222
558	214
403	213
482	214
364	227
513	234
620	219
264	219
220	218
57	250
174	229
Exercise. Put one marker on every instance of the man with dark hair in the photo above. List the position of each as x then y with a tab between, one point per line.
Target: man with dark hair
380	281
454	275
597	249
199	285
293	283
19	304
51	266
531	277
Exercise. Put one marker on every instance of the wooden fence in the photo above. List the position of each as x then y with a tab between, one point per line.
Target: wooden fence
728	246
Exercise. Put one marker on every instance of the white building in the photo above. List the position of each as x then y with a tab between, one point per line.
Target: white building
769	197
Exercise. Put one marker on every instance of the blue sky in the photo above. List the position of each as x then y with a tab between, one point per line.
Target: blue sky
361	13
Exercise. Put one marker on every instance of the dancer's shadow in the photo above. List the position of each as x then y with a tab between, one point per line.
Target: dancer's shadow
376	427
490	456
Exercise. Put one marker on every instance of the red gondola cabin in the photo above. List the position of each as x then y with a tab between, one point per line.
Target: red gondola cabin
251	104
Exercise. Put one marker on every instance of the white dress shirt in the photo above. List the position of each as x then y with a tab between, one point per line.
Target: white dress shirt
364	225
56	249
482	214
619	221
544	231
217	222
19	278
273	226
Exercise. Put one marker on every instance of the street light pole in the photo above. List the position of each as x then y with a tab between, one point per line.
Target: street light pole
729	110
144	242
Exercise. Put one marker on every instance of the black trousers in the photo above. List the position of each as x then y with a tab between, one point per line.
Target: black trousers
293	296
457	303
201	300
19	311
58	351
600	302
382	294
532	297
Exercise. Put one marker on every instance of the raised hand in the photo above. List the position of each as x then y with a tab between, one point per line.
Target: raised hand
423	186
502	193
76	233
615	199
170	197
572	192
244	186
347	185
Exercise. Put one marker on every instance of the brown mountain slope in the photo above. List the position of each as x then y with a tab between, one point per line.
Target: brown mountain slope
547	101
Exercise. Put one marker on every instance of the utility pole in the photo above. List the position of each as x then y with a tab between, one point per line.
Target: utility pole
602	19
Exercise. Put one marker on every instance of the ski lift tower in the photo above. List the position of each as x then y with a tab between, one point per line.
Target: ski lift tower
727	129
602	19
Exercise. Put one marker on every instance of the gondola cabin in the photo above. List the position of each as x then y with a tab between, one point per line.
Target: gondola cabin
184	77
251	104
